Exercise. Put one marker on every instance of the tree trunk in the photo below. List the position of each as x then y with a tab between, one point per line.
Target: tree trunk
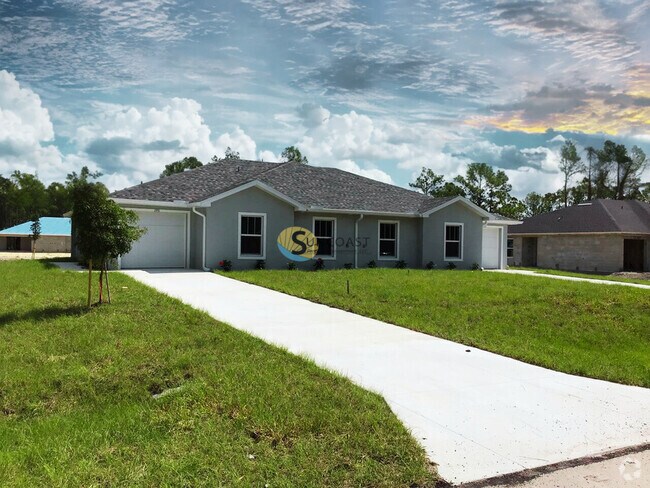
101	283
108	288
90	276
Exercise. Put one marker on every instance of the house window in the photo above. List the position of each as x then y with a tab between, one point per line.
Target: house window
325	233
251	235
511	248
388	244
453	242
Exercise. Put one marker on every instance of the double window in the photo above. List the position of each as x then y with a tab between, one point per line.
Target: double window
388	240
325	233
511	248
453	242
252	236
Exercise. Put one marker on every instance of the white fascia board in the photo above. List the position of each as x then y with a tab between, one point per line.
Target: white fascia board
503	222
252	184
464	201
357	212
151	203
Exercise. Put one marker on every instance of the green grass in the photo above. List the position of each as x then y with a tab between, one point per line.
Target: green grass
592	276
579	328
76	406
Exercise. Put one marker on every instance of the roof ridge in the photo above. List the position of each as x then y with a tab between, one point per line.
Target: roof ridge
609	214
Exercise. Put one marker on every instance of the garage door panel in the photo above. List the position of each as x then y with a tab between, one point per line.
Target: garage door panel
491	248
164	245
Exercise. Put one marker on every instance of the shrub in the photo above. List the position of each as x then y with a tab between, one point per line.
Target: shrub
261	264
225	264
431	265
348	265
372	263
451	266
401	264
319	264
477	267
291	265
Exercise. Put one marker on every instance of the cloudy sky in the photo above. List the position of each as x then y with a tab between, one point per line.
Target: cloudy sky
380	88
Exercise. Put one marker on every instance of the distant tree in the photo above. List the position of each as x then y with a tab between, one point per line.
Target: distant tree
189	162
538	204
592	157
30	197
8	191
434	185
487	188
428	182
59	199
631	168
104	230
35	233
570	165
229	155
293	154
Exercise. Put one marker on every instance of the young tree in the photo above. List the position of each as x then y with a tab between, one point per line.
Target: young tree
104	230
230	155
293	154
189	162
35	235
570	165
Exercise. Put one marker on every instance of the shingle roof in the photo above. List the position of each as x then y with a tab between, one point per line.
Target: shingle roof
50	226
628	216
312	186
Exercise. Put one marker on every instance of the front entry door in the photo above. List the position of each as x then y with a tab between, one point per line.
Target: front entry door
633	254
529	252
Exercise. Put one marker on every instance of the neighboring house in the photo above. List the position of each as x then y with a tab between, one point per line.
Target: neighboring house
599	236
235	210
55	236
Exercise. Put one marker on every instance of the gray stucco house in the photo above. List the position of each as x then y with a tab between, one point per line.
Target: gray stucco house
597	236
235	210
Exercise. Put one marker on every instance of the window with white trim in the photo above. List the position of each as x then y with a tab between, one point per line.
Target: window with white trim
453	241
324	231
388	240
511	248
251	235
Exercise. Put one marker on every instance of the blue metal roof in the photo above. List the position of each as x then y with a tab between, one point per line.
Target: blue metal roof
50	226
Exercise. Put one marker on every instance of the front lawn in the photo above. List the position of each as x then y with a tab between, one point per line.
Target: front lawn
77	405
580	328
590	276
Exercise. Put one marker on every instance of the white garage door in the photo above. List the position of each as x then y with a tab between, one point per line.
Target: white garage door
491	247
163	246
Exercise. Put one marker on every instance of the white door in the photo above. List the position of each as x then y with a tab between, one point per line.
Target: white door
164	245
491	247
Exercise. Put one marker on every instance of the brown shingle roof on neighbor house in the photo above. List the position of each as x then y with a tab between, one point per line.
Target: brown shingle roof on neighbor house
618	216
312	186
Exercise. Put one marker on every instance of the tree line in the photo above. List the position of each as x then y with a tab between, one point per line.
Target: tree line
610	172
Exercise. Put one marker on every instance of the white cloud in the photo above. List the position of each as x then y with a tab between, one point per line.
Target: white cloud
268	156
25	128
131	144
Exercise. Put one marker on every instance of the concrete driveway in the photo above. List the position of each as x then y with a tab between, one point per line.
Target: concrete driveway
477	414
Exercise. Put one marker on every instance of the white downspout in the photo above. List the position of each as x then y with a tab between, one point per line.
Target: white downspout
204	239
356	239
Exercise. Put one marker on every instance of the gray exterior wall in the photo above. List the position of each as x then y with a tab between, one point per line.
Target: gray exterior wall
598	253
433	235
223	228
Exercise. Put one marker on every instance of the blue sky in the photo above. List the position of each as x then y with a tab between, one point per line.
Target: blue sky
378	88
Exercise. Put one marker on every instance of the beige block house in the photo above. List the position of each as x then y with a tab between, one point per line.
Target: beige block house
601	236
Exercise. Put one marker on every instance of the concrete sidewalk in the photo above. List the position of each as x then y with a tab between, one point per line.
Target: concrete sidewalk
568	278
477	414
